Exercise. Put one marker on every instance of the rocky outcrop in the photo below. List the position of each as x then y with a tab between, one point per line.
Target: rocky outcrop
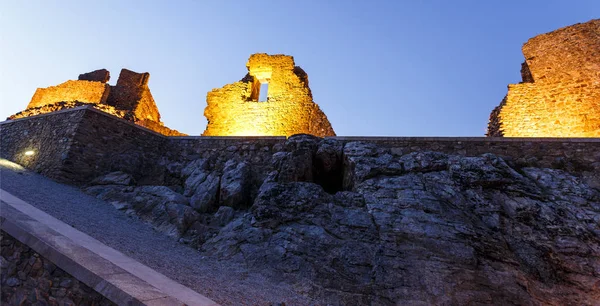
363	224
114	178
164	208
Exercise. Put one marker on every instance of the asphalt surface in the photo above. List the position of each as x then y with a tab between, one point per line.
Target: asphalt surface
221	281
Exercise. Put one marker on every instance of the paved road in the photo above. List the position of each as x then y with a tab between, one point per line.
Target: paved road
224	283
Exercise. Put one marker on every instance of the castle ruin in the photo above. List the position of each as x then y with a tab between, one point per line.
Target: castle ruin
361	220
273	99
560	92
129	99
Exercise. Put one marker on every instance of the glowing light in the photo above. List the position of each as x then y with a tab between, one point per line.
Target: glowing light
248	132
29	153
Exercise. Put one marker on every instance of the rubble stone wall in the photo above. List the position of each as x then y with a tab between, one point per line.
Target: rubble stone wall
48	136
190	147
560	92
104	143
235	109
583	153
27	278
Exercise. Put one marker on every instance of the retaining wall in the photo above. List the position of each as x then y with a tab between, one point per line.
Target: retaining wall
78	144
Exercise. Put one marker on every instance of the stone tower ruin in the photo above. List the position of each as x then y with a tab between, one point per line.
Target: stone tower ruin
273	99
560	92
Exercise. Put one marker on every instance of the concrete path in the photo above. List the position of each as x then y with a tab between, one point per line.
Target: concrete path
119	278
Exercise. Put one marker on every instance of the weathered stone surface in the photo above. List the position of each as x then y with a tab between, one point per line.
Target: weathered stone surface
329	155
69	91
235	185
48	137
235	109
132	94
426	228
205	195
100	75
560	94
130	99
410	227
167	210
296	164
194	174
30	279
103	144
224	215
114	178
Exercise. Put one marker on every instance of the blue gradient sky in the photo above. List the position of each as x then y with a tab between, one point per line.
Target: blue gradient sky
388	68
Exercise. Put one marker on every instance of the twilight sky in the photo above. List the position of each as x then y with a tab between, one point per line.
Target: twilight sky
376	68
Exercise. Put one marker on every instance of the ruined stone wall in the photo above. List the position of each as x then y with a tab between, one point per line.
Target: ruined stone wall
76	145
27	278
132	94
234	110
130	99
82	91
560	92
103	144
100	75
48	136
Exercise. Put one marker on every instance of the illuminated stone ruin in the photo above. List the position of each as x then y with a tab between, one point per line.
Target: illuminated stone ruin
560	92
273	99
130	99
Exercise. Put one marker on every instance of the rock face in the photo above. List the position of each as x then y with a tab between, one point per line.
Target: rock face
114	178
560	93
273	99
361	224
167	210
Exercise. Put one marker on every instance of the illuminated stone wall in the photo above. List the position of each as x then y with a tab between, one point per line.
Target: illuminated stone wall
236	109
560	92
129	99
132	94
82	91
